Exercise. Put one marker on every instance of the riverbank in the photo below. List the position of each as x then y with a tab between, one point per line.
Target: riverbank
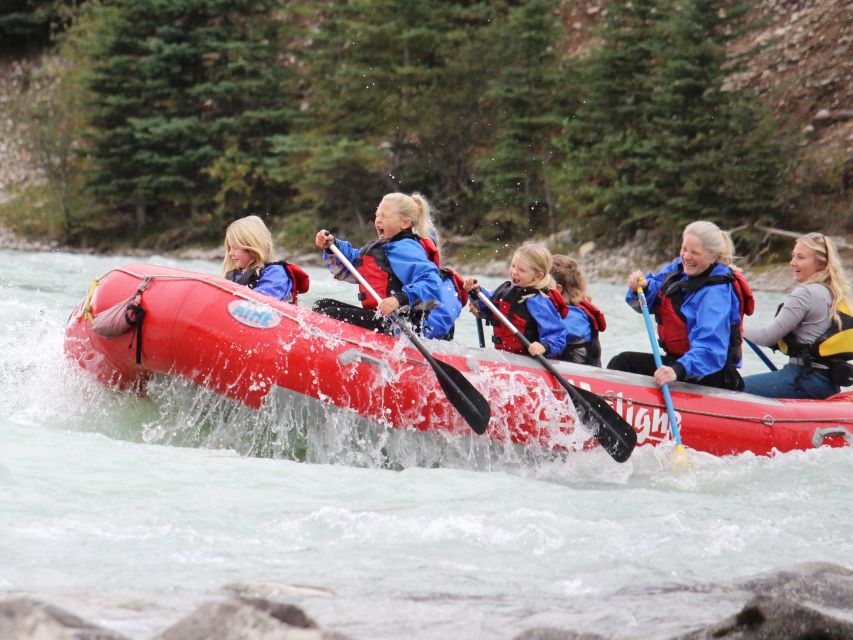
610	265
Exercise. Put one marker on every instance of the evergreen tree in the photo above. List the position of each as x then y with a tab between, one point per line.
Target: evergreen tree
399	84
713	155
525	94
186	95
658	142
32	23
603	178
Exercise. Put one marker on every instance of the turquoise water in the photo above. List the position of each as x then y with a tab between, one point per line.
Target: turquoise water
131	512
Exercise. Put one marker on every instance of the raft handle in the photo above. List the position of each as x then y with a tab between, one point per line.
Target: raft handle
829	432
352	355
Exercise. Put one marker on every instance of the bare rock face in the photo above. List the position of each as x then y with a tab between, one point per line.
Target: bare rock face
28	619
247	619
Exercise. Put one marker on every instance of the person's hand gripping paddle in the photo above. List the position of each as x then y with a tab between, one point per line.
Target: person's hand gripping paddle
469	402
613	433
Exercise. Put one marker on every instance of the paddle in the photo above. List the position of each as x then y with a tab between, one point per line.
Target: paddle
667	398
609	428
480	336
469	402
761	355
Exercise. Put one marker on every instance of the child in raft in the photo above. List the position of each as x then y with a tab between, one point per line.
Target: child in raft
584	321
530	302
402	266
248	261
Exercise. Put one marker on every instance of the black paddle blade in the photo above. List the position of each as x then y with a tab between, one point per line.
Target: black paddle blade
468	401
610	429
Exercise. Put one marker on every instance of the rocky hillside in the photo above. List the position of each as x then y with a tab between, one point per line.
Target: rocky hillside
798	56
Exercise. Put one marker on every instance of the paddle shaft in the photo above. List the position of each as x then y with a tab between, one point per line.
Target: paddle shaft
761	355
480	335
459	396
667	398
616	436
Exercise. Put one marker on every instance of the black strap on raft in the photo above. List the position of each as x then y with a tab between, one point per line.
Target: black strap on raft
134	315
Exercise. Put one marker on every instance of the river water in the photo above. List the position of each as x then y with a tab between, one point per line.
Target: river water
107	510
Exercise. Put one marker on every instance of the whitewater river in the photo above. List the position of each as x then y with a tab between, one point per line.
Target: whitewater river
132	512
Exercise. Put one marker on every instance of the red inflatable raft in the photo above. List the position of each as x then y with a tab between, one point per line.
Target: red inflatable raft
251	348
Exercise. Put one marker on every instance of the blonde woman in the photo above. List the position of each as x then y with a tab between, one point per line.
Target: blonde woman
530	302
814	327
699	301
248	261
402	266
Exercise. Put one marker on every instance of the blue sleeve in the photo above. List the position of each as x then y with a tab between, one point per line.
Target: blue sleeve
485	313
441	319
709	313
274	282
552	331
337	269
419	275
350	253
652	288
578	326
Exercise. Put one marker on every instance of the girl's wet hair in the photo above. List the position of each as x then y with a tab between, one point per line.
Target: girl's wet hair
251	234
538	258
417	209
568	275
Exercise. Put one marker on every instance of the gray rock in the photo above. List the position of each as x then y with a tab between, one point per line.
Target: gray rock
247	619
809	602
818	583
545	633
28	619
772	618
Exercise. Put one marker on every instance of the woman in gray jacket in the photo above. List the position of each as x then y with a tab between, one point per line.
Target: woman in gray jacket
813	327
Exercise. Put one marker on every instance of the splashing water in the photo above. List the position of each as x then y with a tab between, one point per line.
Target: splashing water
131	511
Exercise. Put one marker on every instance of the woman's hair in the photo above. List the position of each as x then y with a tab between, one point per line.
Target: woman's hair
539	259
714	240
417	209
249	233
568	275
832	272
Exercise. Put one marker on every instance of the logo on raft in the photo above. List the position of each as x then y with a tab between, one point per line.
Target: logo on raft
650	423
254	314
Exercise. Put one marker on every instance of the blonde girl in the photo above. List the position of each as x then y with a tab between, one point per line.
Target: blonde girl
530	302
248	261
402	266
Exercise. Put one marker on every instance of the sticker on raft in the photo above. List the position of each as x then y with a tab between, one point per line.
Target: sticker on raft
650	423
254	314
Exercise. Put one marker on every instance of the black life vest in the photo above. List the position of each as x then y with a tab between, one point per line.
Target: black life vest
833	346
299	278
374	266
510	301
591	353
